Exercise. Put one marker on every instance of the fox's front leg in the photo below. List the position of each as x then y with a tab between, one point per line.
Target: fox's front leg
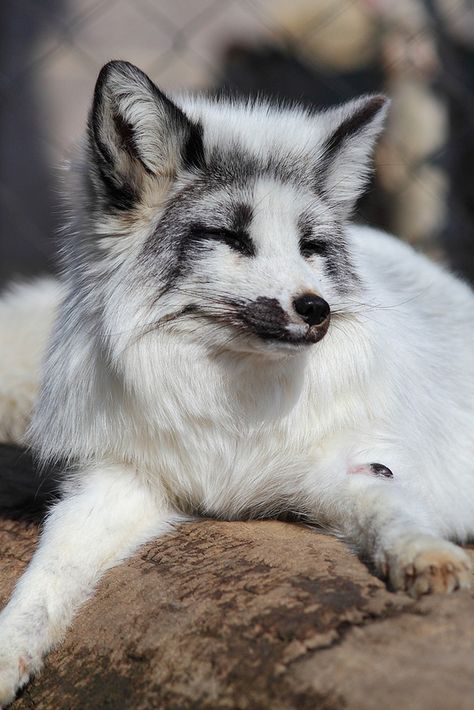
101	520
385	523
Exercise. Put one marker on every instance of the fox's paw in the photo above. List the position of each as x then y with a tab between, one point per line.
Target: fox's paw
15	672
425	564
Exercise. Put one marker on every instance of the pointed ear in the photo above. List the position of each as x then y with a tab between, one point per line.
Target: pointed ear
346	157
136	131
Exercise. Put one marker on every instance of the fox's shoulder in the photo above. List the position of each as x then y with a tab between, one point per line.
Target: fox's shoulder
395	269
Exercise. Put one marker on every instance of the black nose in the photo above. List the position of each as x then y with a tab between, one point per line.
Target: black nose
313	309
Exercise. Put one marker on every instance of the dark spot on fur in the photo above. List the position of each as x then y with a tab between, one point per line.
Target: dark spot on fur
265	317
192	153
242	217
378	469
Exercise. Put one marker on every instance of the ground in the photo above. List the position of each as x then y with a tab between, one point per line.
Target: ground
252	616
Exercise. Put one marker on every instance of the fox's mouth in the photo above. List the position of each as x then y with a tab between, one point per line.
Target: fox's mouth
263	321
294	334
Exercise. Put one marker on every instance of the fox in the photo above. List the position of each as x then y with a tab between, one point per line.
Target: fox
224	341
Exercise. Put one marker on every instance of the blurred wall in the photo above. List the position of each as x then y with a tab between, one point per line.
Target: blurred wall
315	51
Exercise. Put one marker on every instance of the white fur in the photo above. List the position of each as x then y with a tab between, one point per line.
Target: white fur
27	312
176	424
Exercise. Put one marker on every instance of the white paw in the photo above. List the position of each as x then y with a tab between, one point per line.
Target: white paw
425	564
15	672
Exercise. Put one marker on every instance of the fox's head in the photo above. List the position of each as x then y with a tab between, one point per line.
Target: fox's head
219	220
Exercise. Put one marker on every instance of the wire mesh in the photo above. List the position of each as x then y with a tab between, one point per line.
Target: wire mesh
318	51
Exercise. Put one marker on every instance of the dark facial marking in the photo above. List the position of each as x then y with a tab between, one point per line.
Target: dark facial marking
265	317
337	261
309	244
192	153
237	237
242	217
237	240
339	268
234	166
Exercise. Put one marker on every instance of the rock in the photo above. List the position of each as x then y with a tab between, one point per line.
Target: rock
253	615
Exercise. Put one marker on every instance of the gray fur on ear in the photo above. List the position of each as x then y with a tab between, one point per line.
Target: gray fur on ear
135	129
345	163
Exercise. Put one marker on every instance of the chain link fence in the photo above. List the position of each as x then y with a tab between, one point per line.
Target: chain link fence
314	51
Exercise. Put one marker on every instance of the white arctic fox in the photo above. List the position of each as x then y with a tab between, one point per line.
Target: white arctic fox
227	344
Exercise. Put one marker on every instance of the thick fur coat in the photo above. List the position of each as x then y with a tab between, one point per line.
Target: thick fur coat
226	343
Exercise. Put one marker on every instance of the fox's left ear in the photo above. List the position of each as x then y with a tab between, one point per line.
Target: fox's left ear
345	161
135	132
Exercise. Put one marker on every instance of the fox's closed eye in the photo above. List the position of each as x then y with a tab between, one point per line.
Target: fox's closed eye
312	247
238	241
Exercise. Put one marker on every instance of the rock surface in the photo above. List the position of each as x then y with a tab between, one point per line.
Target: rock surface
253	616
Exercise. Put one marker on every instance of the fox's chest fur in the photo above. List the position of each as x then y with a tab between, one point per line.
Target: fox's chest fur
241	440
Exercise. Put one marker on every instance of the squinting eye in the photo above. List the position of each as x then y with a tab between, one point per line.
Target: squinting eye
240	242
237	241
310	247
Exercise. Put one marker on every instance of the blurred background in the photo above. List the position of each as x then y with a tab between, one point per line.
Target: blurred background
319	52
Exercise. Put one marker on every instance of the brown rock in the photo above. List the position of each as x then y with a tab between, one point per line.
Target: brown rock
252	616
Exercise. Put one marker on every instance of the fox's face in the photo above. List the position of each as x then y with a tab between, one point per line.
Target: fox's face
224	222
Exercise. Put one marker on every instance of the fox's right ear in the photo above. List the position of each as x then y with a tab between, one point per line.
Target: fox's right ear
345	162
136	131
